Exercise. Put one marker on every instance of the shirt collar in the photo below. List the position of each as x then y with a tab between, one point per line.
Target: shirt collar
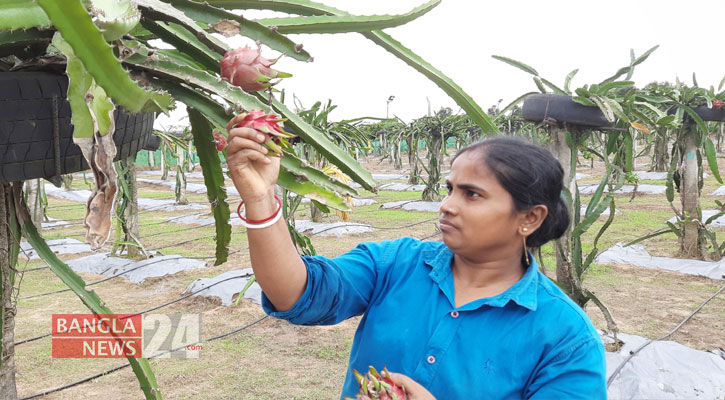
522	292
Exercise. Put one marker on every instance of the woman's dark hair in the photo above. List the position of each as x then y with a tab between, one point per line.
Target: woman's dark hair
532	176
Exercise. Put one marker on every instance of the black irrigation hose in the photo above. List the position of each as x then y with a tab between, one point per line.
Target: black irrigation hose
430	236
208	236
114	369
376	227
98	281
152	308
165	232
156	248
672	332
184	242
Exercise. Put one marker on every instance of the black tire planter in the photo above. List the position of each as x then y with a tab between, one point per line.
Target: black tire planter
561	108
29	145
153	143
710	114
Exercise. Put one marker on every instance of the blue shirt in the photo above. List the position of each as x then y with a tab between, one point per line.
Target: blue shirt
529	342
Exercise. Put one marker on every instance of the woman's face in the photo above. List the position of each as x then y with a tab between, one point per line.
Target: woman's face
476	217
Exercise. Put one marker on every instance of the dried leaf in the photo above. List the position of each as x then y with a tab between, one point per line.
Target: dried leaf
640	127
227	27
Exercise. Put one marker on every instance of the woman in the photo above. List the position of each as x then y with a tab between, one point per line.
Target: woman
469	318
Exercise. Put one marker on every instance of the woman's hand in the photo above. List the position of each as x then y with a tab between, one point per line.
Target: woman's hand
413	389
253	172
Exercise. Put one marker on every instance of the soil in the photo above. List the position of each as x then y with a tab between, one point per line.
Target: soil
276	360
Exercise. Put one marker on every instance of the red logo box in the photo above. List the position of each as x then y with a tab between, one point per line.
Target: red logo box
97	335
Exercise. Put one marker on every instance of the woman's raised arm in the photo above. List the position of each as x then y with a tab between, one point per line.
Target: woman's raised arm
277	266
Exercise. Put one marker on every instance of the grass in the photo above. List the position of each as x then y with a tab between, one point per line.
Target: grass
274	359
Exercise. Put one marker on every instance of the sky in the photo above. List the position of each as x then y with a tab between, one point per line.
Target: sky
459	37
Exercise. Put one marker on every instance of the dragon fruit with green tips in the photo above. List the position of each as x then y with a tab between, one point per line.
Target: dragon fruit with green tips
375	386
275	138
245	67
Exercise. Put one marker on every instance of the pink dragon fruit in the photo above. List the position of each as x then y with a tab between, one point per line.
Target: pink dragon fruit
219	140
375	386
717	104
268	125
245	67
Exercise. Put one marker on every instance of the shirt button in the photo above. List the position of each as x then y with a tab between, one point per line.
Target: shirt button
454	314
431	359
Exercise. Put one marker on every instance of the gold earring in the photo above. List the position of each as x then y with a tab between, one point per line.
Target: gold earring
526	251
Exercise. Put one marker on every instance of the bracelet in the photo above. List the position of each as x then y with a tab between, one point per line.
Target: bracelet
261	223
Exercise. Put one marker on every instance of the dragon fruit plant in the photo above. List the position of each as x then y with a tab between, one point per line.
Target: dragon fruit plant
376	386
148	56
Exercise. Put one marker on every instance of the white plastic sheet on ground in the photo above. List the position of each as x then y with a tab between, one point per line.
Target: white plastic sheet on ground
706	214
355	201
647	175
643	188
331	228
203	219
583	210
58	246
227	289
190	186
53	223
580	176
719	191
638	256
72	195
303	226
413	205
134	271
402	187
193	175
664	370
168	205
143	203
197	188
655	176
362	202
388	177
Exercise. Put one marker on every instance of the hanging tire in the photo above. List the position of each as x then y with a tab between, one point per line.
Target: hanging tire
34	143
710	114
561	108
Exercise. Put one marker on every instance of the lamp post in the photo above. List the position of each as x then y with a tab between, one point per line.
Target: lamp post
387	109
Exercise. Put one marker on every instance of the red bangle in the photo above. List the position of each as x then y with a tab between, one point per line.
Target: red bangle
259	221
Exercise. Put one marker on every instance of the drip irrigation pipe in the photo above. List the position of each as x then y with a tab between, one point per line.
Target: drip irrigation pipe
152	308
114	369
672	332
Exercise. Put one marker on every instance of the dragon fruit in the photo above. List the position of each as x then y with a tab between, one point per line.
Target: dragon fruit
268	125
717	104
245	67
219	140
377	386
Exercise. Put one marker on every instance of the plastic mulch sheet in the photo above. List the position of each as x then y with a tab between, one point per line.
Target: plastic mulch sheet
638	256
706	214
664	370
413	205
402	187
59	246
81	196
134	271
331	228
643	188
228	288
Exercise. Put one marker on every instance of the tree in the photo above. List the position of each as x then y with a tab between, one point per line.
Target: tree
107	50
